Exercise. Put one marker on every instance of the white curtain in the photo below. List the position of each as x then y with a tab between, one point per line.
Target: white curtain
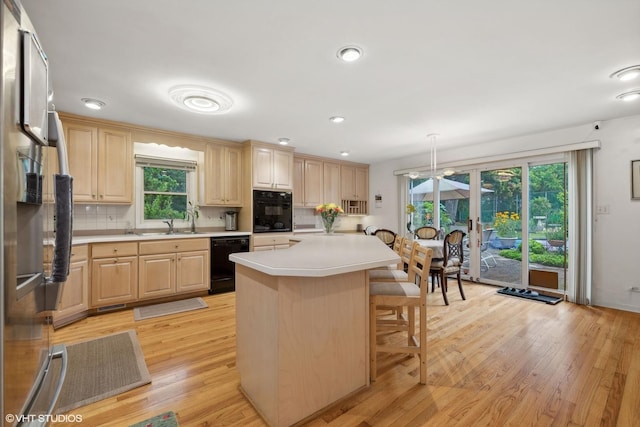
580	226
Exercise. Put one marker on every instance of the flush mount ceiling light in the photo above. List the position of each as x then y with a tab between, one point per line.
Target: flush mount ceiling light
627	74
283	141
344	153
349	53
200	99
629	96
337	119
94	104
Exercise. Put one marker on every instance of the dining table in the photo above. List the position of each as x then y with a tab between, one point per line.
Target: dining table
435	244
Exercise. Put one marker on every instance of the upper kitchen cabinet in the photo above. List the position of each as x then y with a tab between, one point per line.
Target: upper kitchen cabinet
101	162
331	179
223	176
354	188
308	182
271	166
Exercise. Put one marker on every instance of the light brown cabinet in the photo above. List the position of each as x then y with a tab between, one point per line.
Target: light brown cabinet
354	189
331	180
308	182
74	301
114	273
270	242
223	176
101	162
272	168
168	267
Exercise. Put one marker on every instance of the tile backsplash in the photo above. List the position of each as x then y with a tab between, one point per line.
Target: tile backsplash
306	217
88	217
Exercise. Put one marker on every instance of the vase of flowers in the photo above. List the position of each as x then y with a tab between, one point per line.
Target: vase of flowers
328	213
506	224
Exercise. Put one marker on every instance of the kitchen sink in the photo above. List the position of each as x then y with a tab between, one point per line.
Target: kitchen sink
166	233
154	234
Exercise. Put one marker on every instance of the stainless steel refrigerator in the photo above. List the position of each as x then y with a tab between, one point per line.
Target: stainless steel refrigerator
28	131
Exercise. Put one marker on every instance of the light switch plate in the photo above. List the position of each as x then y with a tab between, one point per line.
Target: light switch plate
602	209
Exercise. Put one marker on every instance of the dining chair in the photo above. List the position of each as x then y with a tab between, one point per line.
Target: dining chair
398	274
411	294
450	265
484	246
369	230
387	236
427	232
398	243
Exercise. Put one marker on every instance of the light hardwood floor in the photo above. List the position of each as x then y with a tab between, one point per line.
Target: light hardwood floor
492	360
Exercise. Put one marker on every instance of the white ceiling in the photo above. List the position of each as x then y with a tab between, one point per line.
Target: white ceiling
472	71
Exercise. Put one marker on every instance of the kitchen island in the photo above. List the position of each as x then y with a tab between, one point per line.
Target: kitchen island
302	323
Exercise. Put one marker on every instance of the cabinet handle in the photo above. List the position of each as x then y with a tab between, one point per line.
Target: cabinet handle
102	196
115	260
93	196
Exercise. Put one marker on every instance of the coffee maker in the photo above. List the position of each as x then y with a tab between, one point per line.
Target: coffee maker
230	221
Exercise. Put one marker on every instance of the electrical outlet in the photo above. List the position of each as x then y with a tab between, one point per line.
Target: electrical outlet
602	209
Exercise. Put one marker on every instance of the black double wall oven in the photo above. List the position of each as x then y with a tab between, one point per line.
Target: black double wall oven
272	211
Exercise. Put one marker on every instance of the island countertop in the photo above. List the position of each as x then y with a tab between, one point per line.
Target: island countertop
321	255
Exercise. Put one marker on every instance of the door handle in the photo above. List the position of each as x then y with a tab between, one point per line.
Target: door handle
470	224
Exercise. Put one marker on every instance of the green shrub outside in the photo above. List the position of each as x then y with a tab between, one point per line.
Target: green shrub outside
538	255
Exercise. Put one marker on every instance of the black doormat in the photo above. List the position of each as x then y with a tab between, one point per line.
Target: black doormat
529	294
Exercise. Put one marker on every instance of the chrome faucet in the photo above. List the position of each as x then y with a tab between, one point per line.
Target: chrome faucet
169	222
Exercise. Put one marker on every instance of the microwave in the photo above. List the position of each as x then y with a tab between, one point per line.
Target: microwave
272	211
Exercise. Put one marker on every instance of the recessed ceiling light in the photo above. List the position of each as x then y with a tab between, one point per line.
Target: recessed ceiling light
629	96
200	99
337	119
344	153
349	53
94	104
628	73
283	141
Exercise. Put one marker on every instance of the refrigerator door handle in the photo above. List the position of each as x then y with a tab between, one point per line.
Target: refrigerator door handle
58	351
63	216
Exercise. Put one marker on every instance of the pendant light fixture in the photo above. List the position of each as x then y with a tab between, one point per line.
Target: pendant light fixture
434	155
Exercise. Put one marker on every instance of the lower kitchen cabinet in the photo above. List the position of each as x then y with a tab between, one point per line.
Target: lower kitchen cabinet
270	242
74	301
169	267
192	271
114	273
156	275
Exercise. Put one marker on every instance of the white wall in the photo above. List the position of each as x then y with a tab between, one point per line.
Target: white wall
616	264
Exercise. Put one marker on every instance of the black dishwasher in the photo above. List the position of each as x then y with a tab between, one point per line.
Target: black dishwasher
223	271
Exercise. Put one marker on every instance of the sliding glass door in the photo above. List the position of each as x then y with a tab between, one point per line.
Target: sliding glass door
515	218
500	226
548	239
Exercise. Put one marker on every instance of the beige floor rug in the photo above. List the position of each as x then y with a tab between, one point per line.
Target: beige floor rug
157	310
101	368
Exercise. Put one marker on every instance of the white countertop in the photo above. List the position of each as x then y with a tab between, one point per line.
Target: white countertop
321	255
103	238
